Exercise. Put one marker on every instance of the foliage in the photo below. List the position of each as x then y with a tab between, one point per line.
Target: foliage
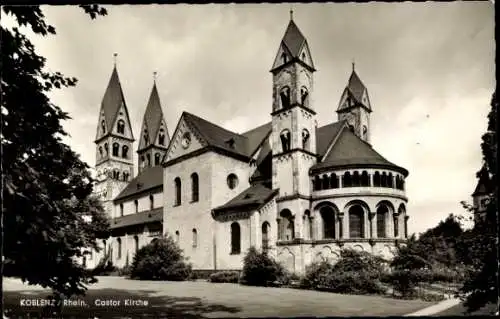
161	259
480	245
46	193
105	266
259	269
355	273
225	276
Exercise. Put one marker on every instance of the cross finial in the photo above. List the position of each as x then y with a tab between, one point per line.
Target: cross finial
154	76
291	13
353	65
114	58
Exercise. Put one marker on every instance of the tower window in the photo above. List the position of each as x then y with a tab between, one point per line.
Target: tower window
125	151
303	56
157	159
365	132
121	127
305	139
161	137
285	97
101	151
106	148
116	175
232	181
304	96
146	136
125	176
148	159
284	58
103	127
285	140
116	147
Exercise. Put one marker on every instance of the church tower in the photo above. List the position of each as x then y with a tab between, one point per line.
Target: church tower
293	124
114	139
154	137
355	107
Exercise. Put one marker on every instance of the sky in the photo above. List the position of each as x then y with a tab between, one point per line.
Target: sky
429	69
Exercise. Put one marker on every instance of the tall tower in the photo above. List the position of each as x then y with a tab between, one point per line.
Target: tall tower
293	121
154	137
482	194
114	139
355	107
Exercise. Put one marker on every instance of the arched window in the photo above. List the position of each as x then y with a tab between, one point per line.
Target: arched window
125	176
328	219
265	236
103	127
151	202
356	181
383	179
235	238
303	56
146	136
116	148
390	181
356	222
195	238
398	182
287	231
106	148
285	97
121	209
304	96
125	151
177	182
326	182
232	181
334	181
119	242
116	174
157	159
120	127
195	187
305	139
136	205
177	236
101	152
376	179
285	140
148	159
365	179
365	132
161	137
284	58
136	242
308	225
347	181
317	183
382	212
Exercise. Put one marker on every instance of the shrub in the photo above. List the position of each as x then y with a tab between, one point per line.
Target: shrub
316	275
225	276
104	268
261	270
403	281
162	259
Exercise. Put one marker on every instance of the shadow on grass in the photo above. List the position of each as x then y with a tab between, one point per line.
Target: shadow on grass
147	305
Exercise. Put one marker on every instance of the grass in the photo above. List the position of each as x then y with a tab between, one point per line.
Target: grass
203	299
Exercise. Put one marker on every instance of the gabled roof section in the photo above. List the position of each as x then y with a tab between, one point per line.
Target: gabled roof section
152	118
112	100
325	136
483	186
149	178
293	39
351	151
355	89
256	137
252	198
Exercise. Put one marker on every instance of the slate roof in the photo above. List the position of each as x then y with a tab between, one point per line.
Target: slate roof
112	100
325	135
483	186
350	150
355	88
149	178
152	119
293	39
251	198
155	215
256	137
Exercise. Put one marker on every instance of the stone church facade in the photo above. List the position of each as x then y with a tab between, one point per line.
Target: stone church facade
288	187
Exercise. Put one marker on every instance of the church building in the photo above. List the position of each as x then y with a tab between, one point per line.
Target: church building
298	191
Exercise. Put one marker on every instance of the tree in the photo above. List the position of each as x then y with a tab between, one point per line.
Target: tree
46	187
481	243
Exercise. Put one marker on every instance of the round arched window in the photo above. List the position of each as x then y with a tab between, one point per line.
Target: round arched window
232	181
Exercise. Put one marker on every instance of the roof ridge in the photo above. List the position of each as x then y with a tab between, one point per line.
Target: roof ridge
216	125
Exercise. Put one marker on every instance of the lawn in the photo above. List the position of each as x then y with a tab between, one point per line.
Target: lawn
203	299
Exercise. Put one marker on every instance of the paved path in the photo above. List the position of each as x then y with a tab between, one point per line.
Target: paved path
204	299
443	305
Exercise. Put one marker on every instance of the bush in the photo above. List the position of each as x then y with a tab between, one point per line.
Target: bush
225	276
125	271
404	282
261	270
104	268
162	259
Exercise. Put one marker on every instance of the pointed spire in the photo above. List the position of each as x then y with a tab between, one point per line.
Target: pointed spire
153	117
293	38
113	99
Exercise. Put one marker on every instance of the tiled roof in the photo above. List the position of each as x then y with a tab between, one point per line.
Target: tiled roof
150	216
152	118
325	135
252	198
256	136
149	178
112	100
293	39
349	150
